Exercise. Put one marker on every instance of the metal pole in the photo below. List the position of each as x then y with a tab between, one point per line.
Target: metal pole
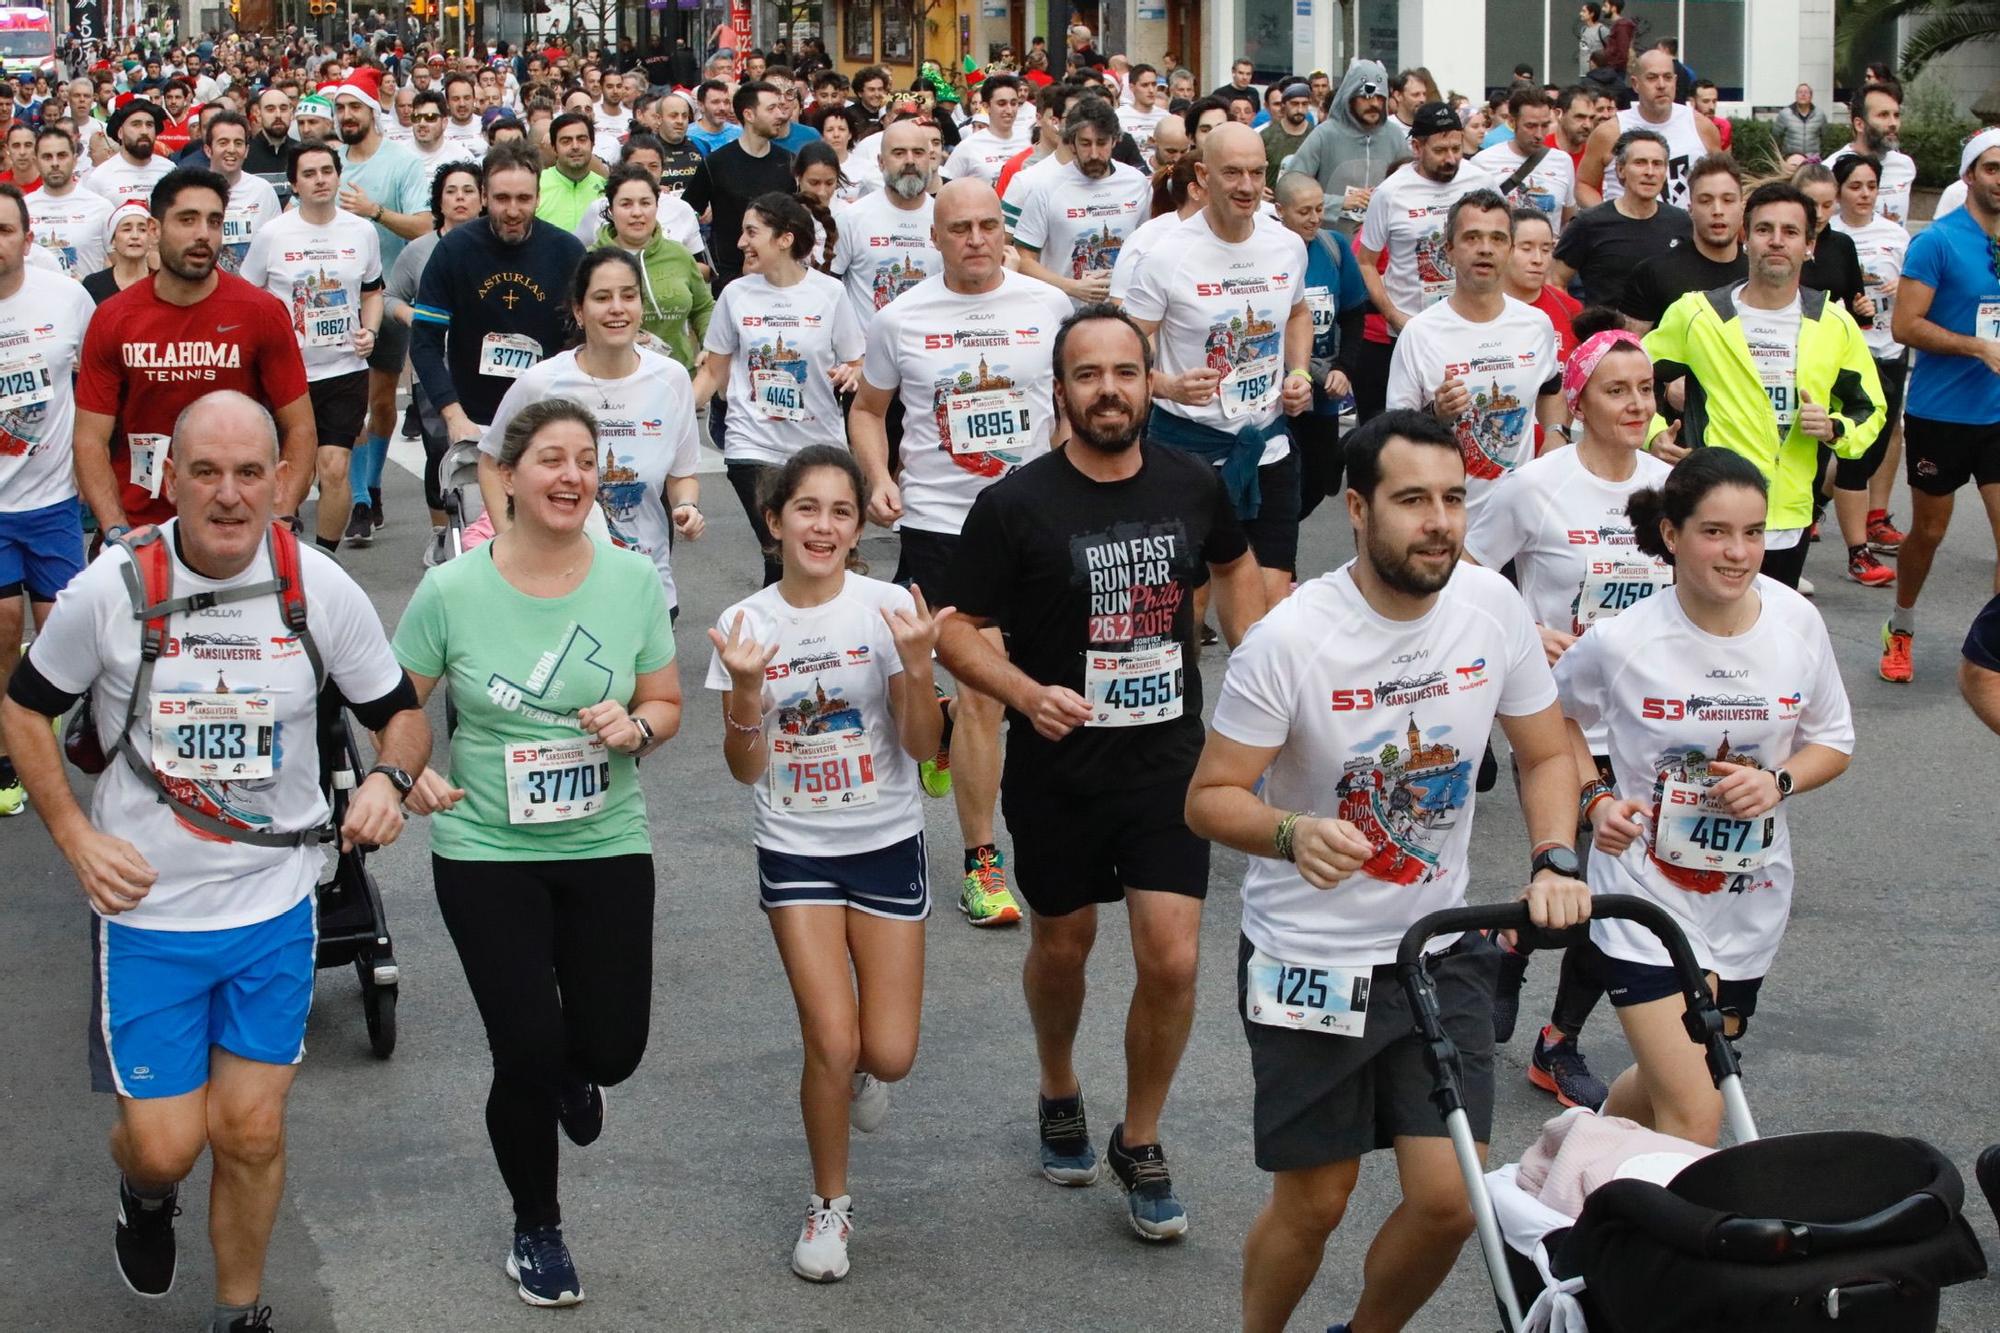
1492	1245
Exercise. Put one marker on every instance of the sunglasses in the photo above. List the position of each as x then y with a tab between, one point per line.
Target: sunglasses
426	118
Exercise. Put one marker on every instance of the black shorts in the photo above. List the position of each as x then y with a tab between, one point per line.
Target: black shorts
340	408
925	560
392	346
1323	1098
1274	533
1629	983
1071	851
1941	456
1852	474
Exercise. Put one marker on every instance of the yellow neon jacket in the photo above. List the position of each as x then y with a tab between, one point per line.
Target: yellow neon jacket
1701	336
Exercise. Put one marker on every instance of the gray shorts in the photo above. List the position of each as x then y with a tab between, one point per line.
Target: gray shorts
1322	1098
392	346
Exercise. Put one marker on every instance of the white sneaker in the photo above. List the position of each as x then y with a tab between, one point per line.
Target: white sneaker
871	1103
821	1254
437	549
1805	586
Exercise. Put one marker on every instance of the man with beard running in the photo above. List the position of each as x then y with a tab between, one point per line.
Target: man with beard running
68	220
134	172
1087	560
1082	214
1877	118
1355	144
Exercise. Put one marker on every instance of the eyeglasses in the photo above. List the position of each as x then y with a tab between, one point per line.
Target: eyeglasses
426	118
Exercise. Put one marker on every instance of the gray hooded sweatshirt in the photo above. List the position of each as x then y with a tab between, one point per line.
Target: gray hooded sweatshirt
1343	154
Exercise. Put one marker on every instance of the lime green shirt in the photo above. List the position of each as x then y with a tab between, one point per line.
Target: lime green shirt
564	200
519	668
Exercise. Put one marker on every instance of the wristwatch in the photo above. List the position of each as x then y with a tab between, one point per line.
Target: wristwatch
1784	783
1559	859
403	781
645	731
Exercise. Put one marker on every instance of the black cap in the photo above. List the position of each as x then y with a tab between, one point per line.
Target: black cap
1298	89
136	106
1434	118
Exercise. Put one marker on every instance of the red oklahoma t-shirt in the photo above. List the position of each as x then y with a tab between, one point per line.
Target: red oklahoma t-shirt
144	360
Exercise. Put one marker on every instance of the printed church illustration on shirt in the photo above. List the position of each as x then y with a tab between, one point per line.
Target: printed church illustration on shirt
1403	800
315	291
1241	339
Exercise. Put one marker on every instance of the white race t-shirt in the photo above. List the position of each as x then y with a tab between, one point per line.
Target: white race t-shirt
1224	305
1674	699
972	370
1024	183
981	153
115	179
610	133
1950	198
1140	125
1550	187
1380	723
1892	196
1506	364
41	334
781	343
318	272
471	131
1145	238
826	702
1773	336
71	227
448	150
1881	247
91	642
883	251
1079	224
1405	217
252	203
645	434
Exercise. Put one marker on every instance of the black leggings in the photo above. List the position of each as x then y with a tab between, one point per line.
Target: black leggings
559	956
747	479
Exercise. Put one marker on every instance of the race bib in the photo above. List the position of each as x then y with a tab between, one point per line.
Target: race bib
555	781
1697	833
1777	371
1133	689
1612	586
508	355
1311	999
1320	302
989	420
237	224
149	456
1250	389
328	328
814	774
24	383
777	395
214	737
1354	202
1987	323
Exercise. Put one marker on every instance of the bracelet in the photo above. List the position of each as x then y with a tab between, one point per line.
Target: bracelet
1592	791
739	728
1591	804
686	504
1301	372
1281	840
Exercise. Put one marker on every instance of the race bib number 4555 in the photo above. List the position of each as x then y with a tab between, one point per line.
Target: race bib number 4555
1133	689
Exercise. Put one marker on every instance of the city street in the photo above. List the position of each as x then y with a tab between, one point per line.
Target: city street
1880	1015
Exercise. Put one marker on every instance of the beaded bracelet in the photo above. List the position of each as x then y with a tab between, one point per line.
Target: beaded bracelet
1282	839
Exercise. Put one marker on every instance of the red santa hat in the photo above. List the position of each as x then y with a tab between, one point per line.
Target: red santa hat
364	83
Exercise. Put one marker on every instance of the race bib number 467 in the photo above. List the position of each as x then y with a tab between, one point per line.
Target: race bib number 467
1697	832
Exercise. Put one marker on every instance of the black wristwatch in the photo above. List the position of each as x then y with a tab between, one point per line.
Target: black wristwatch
1784	783
1559	859
403	781
645	731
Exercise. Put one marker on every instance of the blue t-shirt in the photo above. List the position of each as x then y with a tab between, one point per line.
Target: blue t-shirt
710	140
1954	258
1333	287
1498	134
394	178
797	137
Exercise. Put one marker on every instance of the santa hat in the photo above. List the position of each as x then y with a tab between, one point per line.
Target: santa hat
130	208
364	83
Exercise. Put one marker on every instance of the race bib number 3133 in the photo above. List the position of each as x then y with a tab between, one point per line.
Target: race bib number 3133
214	737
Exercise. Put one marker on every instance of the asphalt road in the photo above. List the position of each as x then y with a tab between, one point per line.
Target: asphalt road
1879	1015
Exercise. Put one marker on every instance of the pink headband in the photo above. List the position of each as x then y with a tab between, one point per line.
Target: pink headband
1583	361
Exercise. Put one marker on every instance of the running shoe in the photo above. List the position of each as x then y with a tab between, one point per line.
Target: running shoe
1209	638
1560	1069
540	1262
1507	994
1897	667
1067	1157
144	1242
580	1111
1884	537
821	1254
935	772
438	549
360	527
257	1321
1865	569
13	799
413	426
1141	1171
375	510
985	900
1806	588
1987	1172
870	1104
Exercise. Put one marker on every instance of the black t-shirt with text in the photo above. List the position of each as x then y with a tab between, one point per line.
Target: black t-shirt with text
1664	279
686	170
1064	565
1604	246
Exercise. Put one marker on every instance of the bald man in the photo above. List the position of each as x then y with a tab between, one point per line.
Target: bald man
1689	137
967	353
1170	142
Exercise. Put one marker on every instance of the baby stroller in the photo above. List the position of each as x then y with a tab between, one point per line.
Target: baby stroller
353	928
1796	1232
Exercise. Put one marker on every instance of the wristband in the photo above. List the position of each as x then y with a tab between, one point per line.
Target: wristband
739	728
1301	372
1281	840
1591	804
1592	791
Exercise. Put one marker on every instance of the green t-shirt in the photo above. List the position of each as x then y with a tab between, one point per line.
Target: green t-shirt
519	668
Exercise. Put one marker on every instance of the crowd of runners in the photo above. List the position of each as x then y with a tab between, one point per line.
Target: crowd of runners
1584	387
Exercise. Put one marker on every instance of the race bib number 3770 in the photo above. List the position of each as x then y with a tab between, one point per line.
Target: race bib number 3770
554	781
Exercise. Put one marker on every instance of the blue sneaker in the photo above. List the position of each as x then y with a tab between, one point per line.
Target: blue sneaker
540	1262
1149	1191
1067	1157
1336	1328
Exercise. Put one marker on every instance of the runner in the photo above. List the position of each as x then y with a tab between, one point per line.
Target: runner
1081	214
783	341
669	215
1223	300
1478	358
1946	308
1337	299
539	850
986	149
747	166
252	200
678	301
1142	115
1404	221
884	248
1543	178
1979	673
42	319
129	235
1527	277
1606	244
428	143
139	362
68	221
136	169
646	483
203	936
831	760
965	354
1876	116
1333	1084
571	183
1086	560
1772	371
1861	487
323	265
1700	771
1715	258
1561	523
1356	144
1686	136
1182	195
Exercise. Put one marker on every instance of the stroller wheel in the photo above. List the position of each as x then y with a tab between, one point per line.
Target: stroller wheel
378	1005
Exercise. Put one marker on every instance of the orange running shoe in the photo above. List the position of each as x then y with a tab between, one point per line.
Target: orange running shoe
1896	664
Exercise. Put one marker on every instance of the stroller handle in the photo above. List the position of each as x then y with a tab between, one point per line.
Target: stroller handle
1514	916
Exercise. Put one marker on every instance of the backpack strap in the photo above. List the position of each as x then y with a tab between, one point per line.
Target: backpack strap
1525	170
149	577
